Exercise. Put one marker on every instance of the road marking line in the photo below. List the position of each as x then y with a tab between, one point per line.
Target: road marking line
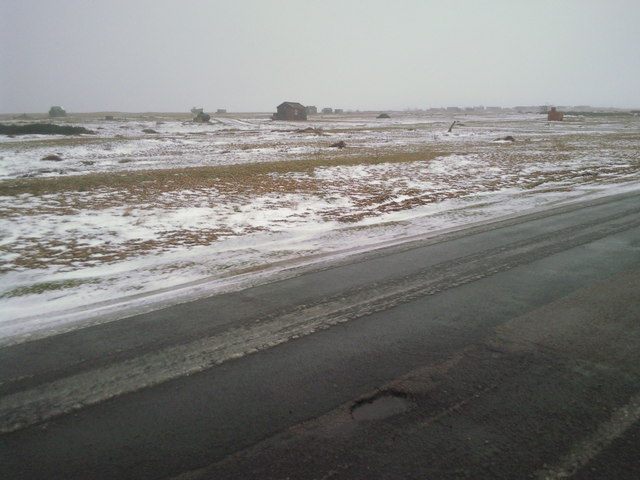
583	452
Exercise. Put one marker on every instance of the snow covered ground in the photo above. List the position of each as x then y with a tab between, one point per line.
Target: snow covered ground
73	255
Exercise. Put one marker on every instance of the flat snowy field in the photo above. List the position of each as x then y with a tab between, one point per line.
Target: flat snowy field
155	209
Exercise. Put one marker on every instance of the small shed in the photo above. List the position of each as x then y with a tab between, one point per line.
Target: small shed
57	111
202	117
291	111
312	110
554	115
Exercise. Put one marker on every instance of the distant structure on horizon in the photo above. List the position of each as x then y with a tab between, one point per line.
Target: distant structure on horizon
202	117
57	111
554	115
290	111
311	110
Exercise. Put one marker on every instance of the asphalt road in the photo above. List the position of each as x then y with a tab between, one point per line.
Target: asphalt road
505	350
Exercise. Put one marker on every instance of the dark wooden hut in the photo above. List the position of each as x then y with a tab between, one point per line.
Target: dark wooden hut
554	115
57	111
291	111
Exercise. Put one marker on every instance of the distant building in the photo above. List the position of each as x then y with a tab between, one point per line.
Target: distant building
221	110
554	115
202	117
327	110
290	111
57	112
338	110
311	110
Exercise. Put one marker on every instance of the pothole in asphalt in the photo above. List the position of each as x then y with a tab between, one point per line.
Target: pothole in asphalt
382	405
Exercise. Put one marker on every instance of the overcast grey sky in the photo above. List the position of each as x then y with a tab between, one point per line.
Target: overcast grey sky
250	55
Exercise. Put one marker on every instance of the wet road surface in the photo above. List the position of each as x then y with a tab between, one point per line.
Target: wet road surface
505	350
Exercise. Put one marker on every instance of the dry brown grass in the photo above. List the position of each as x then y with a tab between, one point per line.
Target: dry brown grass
251	175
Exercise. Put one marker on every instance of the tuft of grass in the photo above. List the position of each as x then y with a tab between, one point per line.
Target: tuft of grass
38	288
42	129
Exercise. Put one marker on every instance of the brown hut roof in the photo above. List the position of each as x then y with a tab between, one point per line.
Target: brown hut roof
291	104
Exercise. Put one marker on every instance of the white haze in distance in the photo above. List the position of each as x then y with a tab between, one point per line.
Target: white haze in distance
250	55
